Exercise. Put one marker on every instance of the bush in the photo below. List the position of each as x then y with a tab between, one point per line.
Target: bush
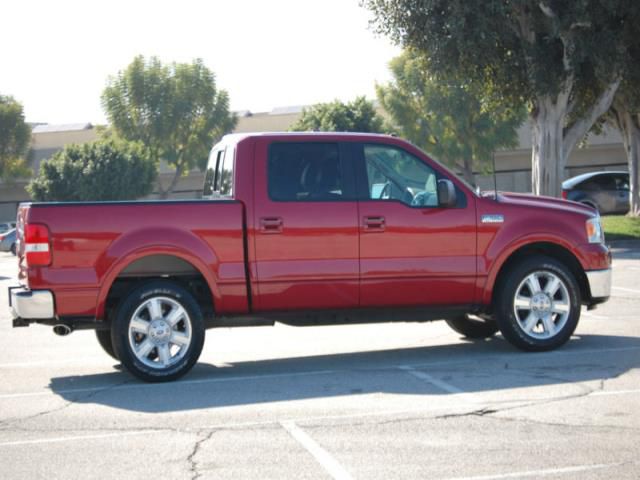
101	170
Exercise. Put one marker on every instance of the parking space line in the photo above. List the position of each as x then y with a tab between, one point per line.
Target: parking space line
546	472
71	438
602	393
178	384
330	464
623	289
444	363
594	315
436	382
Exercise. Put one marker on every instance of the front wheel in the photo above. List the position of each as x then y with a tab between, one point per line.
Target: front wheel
538	304
158	331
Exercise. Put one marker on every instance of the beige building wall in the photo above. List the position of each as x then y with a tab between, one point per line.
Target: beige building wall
601	152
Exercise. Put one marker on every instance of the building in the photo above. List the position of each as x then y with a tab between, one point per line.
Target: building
513	167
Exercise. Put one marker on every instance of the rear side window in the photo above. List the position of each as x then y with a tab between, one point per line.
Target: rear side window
304	172
219	176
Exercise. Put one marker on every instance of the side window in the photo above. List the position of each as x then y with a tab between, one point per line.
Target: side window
218	178
393	174
304	172
622	182
225	172
605	182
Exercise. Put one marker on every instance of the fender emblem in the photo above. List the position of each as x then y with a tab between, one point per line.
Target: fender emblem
492	219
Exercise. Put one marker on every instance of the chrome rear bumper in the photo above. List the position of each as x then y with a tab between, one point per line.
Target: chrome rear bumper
31	304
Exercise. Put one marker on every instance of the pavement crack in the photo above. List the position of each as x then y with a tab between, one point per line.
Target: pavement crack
81	398
193	464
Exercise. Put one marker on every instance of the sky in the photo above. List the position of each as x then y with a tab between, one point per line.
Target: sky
57	55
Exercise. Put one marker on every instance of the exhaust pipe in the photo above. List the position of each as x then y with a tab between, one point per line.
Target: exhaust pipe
62	330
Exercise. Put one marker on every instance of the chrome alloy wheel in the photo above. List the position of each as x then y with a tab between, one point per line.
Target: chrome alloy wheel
160	332
542	305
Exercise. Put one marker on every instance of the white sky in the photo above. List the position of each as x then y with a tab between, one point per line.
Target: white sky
56	55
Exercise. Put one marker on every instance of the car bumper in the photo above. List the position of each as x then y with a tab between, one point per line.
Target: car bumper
31	304
599	284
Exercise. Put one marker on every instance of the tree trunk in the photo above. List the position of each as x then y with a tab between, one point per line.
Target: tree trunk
629	127
547	156
467	171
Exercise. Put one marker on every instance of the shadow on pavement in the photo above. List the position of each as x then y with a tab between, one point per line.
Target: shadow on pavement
480	366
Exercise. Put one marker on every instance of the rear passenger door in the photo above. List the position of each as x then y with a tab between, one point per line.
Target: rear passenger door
306	226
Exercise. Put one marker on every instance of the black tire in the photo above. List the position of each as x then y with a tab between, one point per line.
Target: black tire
473	328
147	366
13	248
539	337
104	339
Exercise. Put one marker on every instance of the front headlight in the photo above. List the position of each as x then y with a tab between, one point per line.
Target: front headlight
594	230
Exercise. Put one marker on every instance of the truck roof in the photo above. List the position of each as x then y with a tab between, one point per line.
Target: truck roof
237	137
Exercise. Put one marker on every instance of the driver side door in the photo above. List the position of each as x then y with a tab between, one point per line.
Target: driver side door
412	251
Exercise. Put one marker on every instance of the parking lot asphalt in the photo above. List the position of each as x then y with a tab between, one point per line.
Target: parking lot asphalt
367	401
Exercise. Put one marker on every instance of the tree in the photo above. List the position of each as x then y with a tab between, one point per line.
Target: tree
176	110
15	138
451	118
101	170
542	53
357	116
624	115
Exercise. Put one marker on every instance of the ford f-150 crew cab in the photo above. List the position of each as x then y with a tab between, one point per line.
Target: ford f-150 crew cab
308	229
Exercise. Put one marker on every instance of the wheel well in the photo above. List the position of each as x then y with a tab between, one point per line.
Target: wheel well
551	250
166	267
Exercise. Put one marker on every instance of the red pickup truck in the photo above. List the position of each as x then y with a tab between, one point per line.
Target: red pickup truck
308	229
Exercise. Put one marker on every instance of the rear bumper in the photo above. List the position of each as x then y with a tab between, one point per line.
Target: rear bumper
31	304
599	284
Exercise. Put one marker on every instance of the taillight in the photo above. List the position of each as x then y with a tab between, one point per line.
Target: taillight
36	244
564	194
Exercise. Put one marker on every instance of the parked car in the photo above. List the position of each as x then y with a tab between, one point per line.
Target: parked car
8	241
6	226
607	192
308	229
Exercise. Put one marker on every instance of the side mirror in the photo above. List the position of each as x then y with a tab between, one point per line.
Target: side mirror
446	194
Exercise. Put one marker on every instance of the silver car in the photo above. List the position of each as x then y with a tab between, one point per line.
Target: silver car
607	192
8	241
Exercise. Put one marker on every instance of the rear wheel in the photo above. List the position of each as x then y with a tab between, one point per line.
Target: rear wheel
472	327
104	339
13	248
538	304
158	331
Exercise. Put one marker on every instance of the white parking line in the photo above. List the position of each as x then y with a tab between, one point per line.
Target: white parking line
323	457
593	315
601	393
545	473
444	363
623	289
71	438
436	382
174	384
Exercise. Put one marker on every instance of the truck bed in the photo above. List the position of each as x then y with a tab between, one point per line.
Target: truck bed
93	244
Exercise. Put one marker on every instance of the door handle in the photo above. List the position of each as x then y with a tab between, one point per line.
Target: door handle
374	224
271	225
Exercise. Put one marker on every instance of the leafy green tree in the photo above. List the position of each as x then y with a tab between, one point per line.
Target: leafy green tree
357	116
546	54
176	110
15	138
451	118
101	170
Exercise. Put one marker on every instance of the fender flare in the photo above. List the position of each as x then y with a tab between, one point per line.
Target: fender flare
127	250
519	243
